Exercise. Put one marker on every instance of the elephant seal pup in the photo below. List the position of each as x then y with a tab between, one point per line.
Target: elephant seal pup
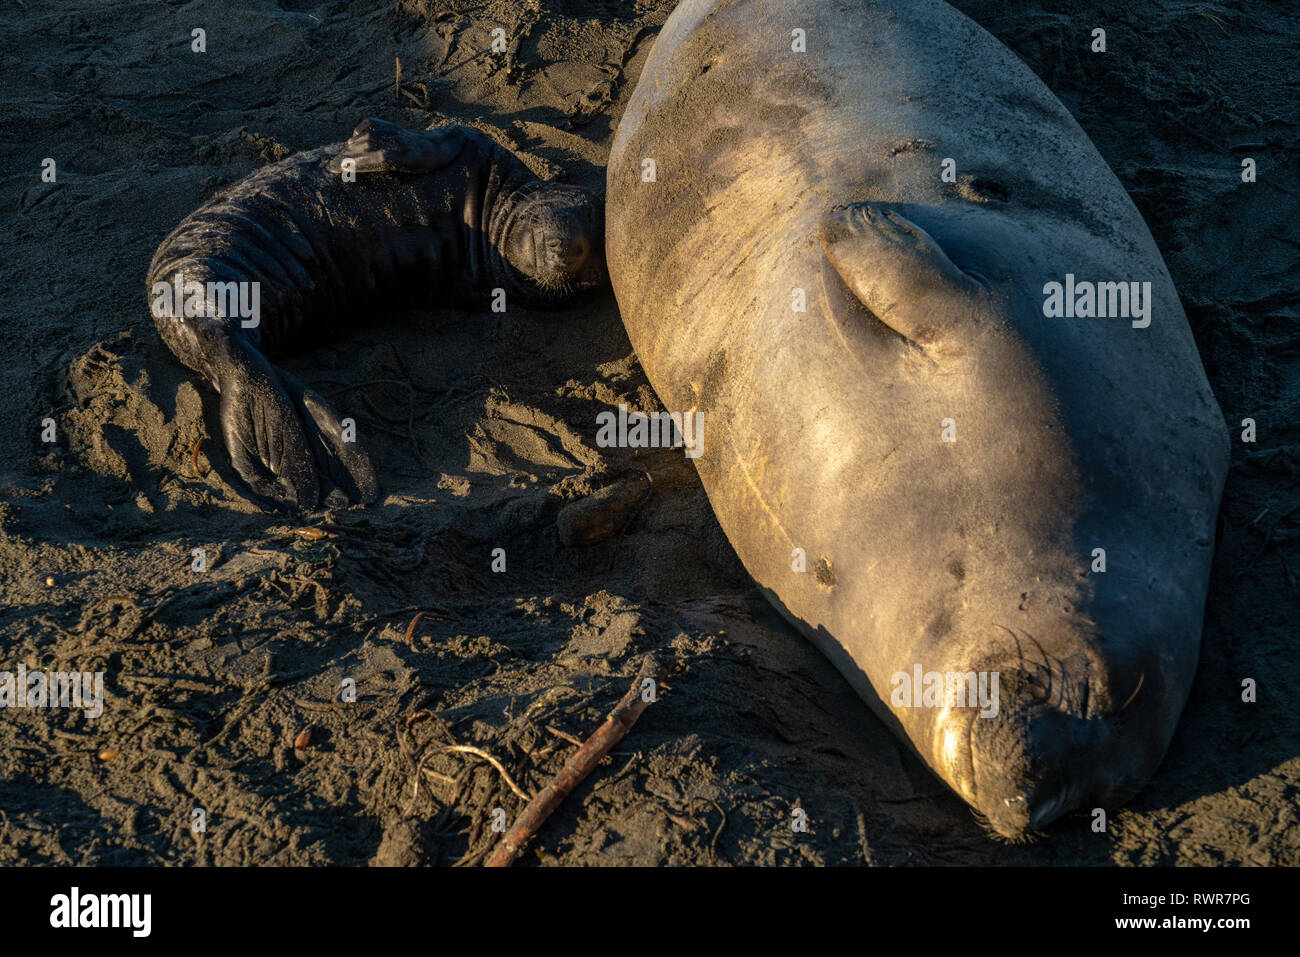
899	402
298	250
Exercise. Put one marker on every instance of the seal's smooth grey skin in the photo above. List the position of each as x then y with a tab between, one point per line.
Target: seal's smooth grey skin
781	175
431	216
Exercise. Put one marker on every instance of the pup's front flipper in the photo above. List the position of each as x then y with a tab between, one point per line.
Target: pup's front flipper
377	146
898	271
343	466
284	440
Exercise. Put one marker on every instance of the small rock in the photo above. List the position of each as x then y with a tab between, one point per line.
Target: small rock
594	518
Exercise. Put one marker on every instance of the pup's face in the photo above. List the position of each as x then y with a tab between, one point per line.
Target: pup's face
557	240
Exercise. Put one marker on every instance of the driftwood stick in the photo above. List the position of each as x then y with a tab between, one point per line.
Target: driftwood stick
580	764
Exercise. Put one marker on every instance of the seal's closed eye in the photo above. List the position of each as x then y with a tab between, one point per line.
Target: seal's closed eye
554	238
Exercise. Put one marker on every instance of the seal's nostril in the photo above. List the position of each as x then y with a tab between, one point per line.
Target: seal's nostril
1046	804
577	254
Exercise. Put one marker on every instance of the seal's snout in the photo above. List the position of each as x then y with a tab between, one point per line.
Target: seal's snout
557	239
1025	769
563	245
1039	755
576	252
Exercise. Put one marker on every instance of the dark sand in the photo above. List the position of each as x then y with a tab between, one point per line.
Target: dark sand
210	677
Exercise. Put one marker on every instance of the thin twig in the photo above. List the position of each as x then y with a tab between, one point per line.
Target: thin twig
194	459
713	845
572	739
410	629
480	753
441	778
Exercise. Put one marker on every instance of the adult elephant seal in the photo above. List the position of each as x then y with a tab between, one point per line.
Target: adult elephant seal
326	238
948	458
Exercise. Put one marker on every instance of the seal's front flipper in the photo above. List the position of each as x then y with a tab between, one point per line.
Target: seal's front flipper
901	274
343	467
262	432
282	438
377	146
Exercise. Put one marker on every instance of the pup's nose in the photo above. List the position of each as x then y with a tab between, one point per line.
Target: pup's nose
576	254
